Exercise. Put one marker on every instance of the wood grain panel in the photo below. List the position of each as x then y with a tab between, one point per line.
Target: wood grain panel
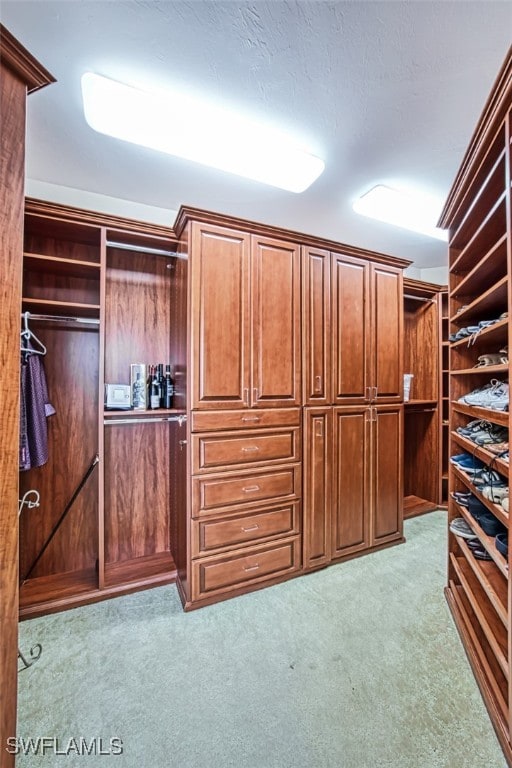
137	495
219	491
137	312
276	330
55	287
351	501
71	366
316	326
12	164
351	329
421	350
387	474
220	317
204	421
211	452
387	325
317	486
421	449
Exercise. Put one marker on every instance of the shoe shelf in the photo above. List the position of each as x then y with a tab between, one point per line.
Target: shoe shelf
493	265
485	612
484	239
481	453
496	334
488	542
496	510
487	414
483	369
489	676
486	306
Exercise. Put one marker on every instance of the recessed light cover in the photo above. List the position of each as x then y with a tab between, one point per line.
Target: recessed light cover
205	133
415	211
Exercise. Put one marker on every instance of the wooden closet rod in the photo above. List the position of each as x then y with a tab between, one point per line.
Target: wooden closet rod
62	318
143	249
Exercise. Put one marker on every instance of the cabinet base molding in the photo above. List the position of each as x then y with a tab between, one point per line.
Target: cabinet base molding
496	706
60	592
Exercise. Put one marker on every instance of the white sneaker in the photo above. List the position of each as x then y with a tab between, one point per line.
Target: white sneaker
493	396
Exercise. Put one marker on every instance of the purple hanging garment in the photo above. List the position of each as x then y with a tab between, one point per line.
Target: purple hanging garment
34	410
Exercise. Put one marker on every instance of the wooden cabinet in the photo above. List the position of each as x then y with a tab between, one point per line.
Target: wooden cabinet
353	321
245	319
352	494
20	74
477	215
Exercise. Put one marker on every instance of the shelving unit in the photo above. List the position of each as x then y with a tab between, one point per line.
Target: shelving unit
422	412
444	395
478	216
109	279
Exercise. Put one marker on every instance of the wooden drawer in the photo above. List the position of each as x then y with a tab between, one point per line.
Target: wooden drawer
207	421
210	452
239	530
224	573
212	493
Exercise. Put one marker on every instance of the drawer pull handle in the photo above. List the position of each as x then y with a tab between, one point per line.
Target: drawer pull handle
251	418
250	528
251	489
251	448
252	567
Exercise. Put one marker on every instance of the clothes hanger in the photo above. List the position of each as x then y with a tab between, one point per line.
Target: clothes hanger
29	341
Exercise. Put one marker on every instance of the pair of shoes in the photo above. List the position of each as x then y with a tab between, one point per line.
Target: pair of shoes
488	522
489	434
498	448
504	504
459	527
494	493
501	542
462	498
463	333
486	477
478	550
493	358
493	395
467	462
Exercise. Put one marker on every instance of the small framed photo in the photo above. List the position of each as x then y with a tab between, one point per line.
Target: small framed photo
138	386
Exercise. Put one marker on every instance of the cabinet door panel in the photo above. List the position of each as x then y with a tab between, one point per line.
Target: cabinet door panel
387	325
351	329
317	486
275	323
387	474
220	317
316	303
351	481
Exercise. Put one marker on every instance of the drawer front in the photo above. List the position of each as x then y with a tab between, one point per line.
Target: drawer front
207	421
225	574
211	452
240	530
211	493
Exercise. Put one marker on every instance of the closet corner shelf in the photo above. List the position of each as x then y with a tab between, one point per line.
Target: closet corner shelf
140	572
413	506
64	308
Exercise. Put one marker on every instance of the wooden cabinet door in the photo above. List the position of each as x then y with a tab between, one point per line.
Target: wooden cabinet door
317	431
387	483
316	326
350	510
275	323
351	333
220	314
386	369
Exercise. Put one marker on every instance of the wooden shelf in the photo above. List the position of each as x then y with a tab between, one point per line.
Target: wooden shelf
131	414
64	308
486	306
491	579
487	369
495	509
414	506
141	571
493	334
481	453
55	265
487	414
492	226
409	403
493	630
494	266
488	542
56	592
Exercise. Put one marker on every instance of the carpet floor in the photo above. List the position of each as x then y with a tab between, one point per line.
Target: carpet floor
355	666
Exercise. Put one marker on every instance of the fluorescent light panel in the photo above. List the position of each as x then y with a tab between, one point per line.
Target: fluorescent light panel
415	211
205	133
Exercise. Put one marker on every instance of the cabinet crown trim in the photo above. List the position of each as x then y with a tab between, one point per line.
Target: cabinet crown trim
20	61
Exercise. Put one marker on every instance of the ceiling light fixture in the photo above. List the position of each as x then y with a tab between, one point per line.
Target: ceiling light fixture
410	210
180	125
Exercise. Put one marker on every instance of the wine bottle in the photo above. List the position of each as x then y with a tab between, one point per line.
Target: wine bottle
169	388
154	397
161	384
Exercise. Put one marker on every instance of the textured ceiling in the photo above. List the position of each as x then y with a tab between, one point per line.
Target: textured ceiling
384	92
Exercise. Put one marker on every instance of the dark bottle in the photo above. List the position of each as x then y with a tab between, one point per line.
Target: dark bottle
168	388
161	384
154	393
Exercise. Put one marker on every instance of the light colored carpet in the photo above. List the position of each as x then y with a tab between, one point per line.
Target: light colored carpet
355	666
